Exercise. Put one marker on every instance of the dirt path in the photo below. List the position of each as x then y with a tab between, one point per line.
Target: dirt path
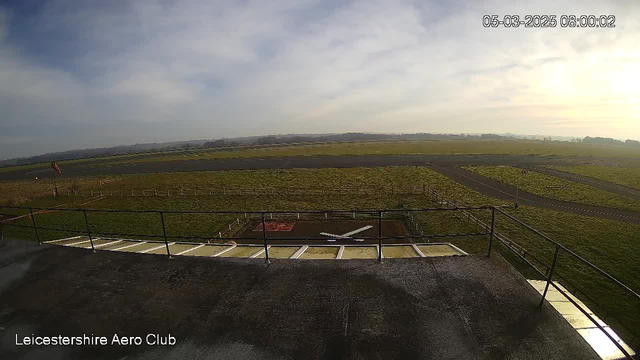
597	183
500	190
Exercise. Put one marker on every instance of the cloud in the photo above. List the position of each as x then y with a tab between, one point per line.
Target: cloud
76	74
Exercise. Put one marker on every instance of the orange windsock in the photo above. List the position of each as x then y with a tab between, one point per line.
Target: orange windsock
55	167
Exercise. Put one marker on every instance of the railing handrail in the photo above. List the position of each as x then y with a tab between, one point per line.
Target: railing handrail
564	248
360	211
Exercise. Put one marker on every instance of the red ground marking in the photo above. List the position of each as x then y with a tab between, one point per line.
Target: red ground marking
276	226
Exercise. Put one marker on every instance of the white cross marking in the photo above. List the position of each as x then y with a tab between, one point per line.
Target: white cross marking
347	235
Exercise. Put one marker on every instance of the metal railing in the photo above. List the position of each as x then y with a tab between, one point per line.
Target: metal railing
486	229
260	215
550	272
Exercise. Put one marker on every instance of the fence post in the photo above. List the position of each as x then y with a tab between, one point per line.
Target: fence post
86	222
164	234
264	238
35	228
493	224
379	236
553	265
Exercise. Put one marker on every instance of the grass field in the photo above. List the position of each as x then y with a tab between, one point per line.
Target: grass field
492	147
503	147
629	177
611	245
65	162
20	191
556	188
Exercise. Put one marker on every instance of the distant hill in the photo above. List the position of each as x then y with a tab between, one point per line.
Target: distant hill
283	139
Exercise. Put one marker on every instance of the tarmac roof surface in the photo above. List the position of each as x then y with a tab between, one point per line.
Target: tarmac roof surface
432	308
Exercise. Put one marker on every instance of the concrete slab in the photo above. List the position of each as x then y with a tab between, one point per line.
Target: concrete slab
603	345
141	247
399	251
123	243
428	308
280	252
71	241
208	250
579	321
582	322
97	243
360	252
242	251
173	249
567	308
437	250
320	252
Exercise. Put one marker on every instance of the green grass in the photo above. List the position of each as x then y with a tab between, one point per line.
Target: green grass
611	245
629	177
543	185
61	163
502	147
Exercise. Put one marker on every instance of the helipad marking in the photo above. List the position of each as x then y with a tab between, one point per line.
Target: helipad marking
188	250
346	235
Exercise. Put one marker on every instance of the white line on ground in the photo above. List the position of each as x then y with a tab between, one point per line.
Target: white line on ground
259	252
415	247
101	245
128	246
76	243
69	238
224	251
188	250
340	252
299	252
154	248
458	249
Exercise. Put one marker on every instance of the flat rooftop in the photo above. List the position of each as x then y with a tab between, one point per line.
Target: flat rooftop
462	307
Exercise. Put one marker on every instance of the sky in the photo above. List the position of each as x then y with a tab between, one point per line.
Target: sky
85	74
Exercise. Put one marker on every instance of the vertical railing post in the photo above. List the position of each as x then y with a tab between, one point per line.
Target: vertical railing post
493	225
379	236
164	234
553	265
86	223
35	228
264	238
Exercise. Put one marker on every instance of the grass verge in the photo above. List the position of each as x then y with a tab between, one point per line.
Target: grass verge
556	188
626	176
